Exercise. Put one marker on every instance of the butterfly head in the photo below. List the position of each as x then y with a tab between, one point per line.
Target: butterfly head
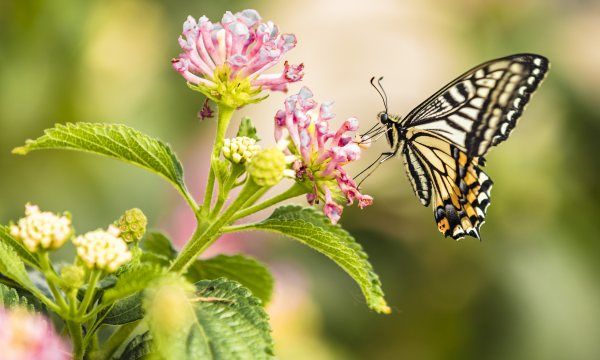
383	117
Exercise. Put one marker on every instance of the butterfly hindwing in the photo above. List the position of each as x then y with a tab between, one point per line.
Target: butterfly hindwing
417	175
458	188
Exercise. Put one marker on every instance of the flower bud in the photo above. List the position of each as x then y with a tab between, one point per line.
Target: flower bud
43	230
72	276
267	167
168	303
240	150
132	225
169	313
102	249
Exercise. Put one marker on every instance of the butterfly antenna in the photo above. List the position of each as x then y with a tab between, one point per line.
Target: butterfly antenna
380	92
373	128
385	98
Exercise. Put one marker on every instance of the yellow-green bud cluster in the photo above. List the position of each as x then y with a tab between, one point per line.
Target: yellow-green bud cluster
132	225
42	229
102	249
240	149
167	305
72	276
267	167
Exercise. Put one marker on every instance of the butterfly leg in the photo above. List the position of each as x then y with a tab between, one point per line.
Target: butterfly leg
380	160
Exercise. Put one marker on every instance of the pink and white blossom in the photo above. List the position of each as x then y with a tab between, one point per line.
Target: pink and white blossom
27	336
241	46
321	153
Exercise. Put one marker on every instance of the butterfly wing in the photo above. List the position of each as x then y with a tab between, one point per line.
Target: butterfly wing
449	133
441	172
480	108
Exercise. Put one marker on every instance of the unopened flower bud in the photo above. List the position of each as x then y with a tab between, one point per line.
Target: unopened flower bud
72	276
240	150
267	167
102	249
167	305
42	229
132	225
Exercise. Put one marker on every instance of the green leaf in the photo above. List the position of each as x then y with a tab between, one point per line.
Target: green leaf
10	298
228	323
245	270
247	129
233	323
133	280
125	310
138	348
13	267
113	140
21	250
312	228
158	249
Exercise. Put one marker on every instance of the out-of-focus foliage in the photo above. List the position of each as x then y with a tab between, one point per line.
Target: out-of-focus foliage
529	290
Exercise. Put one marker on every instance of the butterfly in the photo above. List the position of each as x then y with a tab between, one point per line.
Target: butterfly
443	141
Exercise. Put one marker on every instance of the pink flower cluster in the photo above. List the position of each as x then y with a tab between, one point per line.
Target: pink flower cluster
321	153
27	336
241	42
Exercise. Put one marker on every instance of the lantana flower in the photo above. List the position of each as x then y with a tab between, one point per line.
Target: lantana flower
102	249
321	153
226	61
42	229
27	336
240	150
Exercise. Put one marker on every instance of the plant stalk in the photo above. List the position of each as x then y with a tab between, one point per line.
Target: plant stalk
117	339
51	277
77	339
202	239
293	191
89	293
224	117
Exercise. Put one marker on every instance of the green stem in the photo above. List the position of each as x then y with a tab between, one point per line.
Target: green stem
226	189
238	228
254	198
225	114
188	198
117	339
90	292
89	316
293	191
76	338
51	279
91	329
202	239
46	300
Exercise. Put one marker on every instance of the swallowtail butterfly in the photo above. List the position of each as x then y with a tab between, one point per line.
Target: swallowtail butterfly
443	141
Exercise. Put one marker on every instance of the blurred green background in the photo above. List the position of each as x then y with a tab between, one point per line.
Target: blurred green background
529	290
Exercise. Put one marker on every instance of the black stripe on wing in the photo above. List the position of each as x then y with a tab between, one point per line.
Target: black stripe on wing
480	108
461	190
506	103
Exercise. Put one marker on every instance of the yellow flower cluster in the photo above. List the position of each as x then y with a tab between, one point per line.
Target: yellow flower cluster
240	149
102	249
42	229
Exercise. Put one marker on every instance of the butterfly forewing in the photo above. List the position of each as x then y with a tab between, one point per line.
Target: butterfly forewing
448	134
481	107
